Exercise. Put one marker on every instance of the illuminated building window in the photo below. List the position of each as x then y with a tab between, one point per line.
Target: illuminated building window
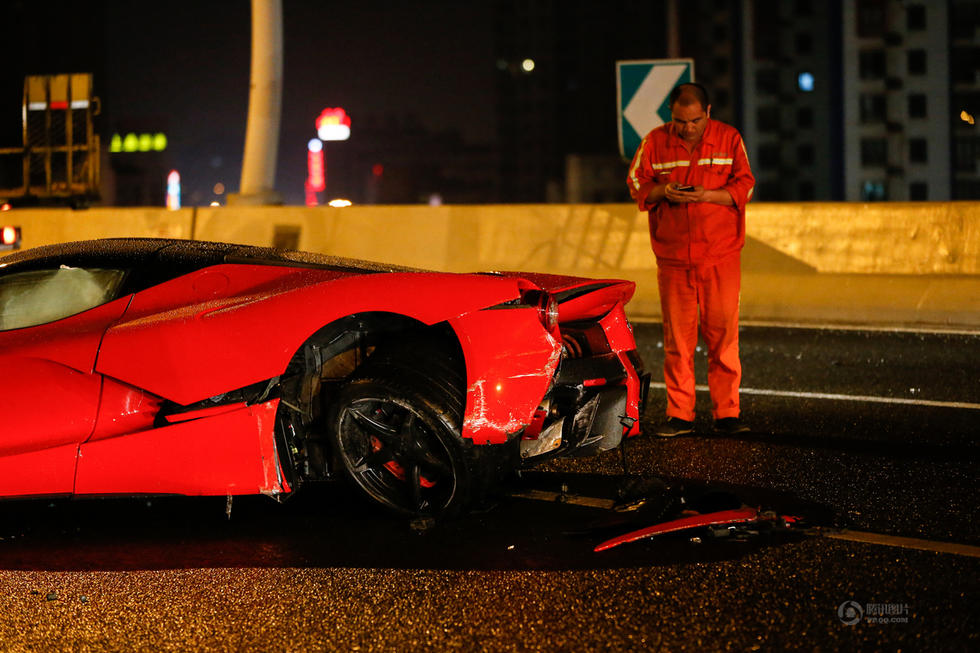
873	191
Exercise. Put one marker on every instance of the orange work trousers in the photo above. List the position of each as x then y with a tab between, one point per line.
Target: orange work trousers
710	293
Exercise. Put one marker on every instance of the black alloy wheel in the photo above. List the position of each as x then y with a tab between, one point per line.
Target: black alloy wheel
396	433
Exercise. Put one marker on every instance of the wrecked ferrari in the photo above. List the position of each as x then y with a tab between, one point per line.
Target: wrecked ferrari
156	366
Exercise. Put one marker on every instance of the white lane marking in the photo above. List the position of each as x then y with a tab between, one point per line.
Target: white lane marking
941	330
839	397
906	542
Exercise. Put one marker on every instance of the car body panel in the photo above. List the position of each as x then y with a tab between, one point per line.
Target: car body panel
124	409
73	341
187	351
48	394
616	327
191	458
49	471
504	385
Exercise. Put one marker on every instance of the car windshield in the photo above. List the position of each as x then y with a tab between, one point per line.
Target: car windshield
40	296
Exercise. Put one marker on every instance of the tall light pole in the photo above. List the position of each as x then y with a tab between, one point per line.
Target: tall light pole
264	107
673	31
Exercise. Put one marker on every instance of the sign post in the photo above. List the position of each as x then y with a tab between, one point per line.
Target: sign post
642	92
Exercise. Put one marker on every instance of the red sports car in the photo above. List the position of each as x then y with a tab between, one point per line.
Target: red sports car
153	366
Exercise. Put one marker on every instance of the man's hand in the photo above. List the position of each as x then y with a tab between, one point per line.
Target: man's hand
699	194
672	193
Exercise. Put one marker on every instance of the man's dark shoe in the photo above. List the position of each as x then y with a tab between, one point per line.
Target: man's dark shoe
673	427
731	426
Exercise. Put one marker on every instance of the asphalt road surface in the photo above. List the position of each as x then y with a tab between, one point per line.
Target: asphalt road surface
869	437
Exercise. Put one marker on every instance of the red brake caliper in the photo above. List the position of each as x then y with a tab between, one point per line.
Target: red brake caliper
397	470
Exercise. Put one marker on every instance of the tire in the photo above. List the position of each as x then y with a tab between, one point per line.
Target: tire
395	428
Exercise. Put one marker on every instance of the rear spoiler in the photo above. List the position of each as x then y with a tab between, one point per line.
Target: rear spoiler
579	298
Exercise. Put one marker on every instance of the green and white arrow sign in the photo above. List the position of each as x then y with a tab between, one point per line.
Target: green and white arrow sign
642	90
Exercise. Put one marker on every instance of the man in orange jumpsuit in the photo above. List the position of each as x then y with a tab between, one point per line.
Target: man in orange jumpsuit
692	175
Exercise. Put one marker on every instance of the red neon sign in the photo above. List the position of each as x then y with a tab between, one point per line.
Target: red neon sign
316	178
333	124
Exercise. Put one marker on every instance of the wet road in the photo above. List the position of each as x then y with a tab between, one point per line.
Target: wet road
868	432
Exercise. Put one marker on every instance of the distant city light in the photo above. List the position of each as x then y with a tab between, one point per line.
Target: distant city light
215	203
173	190
339	203
333	124
5	206
435	199
316	168
527	65
311	198
219	188
966	117
138	142
805	82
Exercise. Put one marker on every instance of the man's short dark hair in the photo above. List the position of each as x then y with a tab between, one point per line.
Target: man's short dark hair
690	88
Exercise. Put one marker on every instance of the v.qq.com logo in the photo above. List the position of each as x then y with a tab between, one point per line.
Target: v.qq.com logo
850	612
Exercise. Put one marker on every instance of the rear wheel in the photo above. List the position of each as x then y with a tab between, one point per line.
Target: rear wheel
396	431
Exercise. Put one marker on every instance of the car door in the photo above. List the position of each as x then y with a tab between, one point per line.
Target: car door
51	324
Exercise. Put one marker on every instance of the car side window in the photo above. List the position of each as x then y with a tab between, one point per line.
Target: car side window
40	296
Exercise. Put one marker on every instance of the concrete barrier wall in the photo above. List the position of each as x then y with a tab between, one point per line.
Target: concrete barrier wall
908	264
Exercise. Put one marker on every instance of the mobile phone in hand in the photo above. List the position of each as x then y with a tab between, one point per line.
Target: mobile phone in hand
684	188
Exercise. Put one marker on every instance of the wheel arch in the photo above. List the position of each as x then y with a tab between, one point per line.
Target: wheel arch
326	358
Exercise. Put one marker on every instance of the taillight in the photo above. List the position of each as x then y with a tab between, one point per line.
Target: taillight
9	237
545	304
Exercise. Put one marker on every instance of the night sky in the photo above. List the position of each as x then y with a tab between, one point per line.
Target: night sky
182	67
